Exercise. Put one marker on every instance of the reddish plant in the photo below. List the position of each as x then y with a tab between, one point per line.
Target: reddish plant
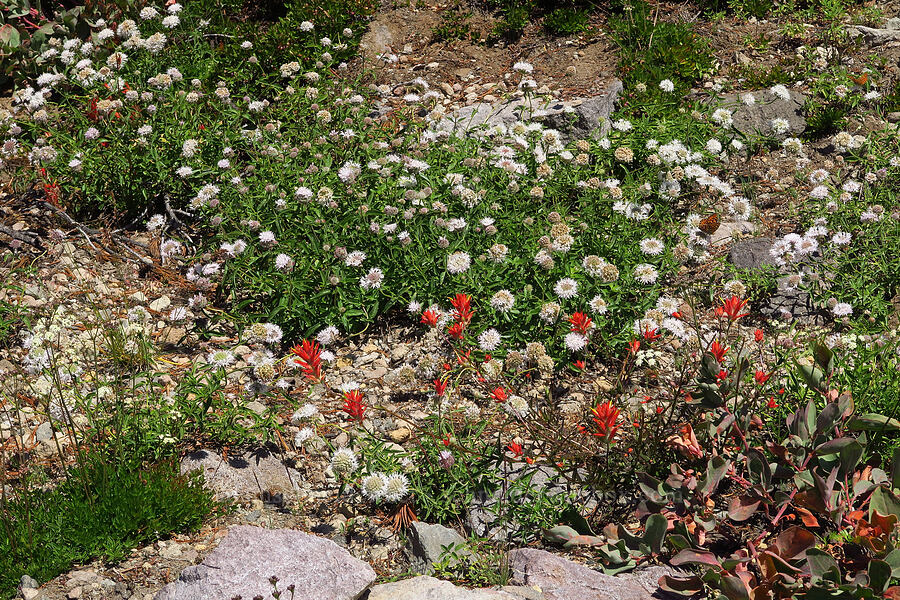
718	351
605	416
430	318
731	308
463	311
581	323
309	357
354	405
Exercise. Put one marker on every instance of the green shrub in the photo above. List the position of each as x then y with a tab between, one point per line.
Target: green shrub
566	21
653	49
101	510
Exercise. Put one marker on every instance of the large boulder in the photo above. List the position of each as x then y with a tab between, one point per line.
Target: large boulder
429	588
248	557
248	475
756	118
562	579
427	544
579	118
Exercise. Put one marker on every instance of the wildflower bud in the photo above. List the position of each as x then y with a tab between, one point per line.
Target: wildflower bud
216	221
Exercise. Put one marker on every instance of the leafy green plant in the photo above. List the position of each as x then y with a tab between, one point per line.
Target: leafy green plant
454	25
566	21
101	510
654	49
476	562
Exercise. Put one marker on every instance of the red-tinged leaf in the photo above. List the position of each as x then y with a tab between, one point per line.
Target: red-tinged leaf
892	593
807	517
681	587
793	542
742	508
695	557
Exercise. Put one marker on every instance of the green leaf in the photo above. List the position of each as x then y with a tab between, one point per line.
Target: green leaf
695	557
879	575
681	587
884	502
9	36
824	357
715	471
893	559
873	422
655	532
812	375
822	566
572	517
742	508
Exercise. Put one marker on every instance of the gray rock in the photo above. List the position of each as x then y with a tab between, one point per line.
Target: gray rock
874	35
44	432
243	476
562	579
27	582
752	254
756	118
429	588
731	230
791	303
893	24
427	544
575	119
248	556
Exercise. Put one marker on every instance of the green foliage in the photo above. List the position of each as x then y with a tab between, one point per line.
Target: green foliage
567	21
101	510
454	25
652	48
474	563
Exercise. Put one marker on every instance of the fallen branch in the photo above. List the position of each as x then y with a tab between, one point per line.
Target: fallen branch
27	238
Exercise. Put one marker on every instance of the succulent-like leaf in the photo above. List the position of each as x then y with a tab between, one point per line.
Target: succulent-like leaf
716	469
793	542
680	586
9	36
742	508
879	575
559	534
822	566
655	532
824	357
884	502
873	422
695	557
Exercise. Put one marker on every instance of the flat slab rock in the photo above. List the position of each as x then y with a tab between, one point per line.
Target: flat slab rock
244	476
562	579
429	588
248	556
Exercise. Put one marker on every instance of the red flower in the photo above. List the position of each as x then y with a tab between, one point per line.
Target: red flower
634	346
440	387
651	334
758	335
430	318
761	377
463	308
722	375
456	330
309	357
731	308
93	113
515	448
771	403
353	405
604	418
579	364
580	323
499	394
718	351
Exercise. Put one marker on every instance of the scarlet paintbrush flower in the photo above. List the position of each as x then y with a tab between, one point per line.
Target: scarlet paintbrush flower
761	377
515	448
499	394
758	335
718	351
651	334
731	308
353	405
771	403
605	416
578	364
634	346
440	387
309	357
463	308
430	318
581	323
456	331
